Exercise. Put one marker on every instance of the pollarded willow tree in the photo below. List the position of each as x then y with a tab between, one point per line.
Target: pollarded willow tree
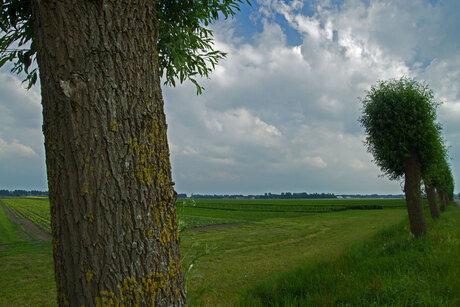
444	184
402	135
114	224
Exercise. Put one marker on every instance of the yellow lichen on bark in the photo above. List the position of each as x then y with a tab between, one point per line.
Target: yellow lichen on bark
151	233
132	292
114	126
89	275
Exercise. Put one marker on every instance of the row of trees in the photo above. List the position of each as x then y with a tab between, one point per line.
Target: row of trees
283	195
399	117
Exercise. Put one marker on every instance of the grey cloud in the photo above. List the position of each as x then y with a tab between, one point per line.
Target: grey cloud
308	93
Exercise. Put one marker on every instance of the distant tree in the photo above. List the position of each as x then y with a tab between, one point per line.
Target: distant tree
433	176
432	200
113	205
444	184
399	120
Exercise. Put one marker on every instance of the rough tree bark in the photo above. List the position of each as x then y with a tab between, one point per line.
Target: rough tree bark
115	238
433	203
413	195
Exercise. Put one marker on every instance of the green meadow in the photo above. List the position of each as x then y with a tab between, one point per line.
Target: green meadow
344	252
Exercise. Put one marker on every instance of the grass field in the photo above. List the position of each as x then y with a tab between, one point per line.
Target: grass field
27	275
220	211
235	264
388	270
26	267
244	255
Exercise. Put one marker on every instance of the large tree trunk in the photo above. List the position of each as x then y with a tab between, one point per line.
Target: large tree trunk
115	238
413	195
433	203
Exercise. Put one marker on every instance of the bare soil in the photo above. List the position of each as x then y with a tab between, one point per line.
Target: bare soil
29	227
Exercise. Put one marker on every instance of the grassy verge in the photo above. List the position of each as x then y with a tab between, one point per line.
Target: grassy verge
27	275
390	270
241	256
26	269
8	229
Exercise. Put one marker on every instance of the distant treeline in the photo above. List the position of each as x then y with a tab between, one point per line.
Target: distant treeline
371	196
16	193
289	195
286	195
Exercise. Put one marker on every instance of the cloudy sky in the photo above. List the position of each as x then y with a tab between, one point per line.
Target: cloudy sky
280	113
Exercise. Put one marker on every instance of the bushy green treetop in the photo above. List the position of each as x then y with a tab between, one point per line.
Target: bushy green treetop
399	117
444	180
434	170
185	44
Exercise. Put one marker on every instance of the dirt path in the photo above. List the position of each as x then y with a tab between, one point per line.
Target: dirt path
28	227
457	202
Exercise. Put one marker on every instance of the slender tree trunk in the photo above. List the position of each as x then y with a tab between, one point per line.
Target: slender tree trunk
441	202
431	196
413	195
442	199
115	239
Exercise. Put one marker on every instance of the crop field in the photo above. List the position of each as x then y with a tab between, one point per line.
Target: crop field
204	212
34	209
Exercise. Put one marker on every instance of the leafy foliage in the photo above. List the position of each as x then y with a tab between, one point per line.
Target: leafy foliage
17	32
399	118
443	180
185	44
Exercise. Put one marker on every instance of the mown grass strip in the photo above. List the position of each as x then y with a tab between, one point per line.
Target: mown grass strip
392	269
8	229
